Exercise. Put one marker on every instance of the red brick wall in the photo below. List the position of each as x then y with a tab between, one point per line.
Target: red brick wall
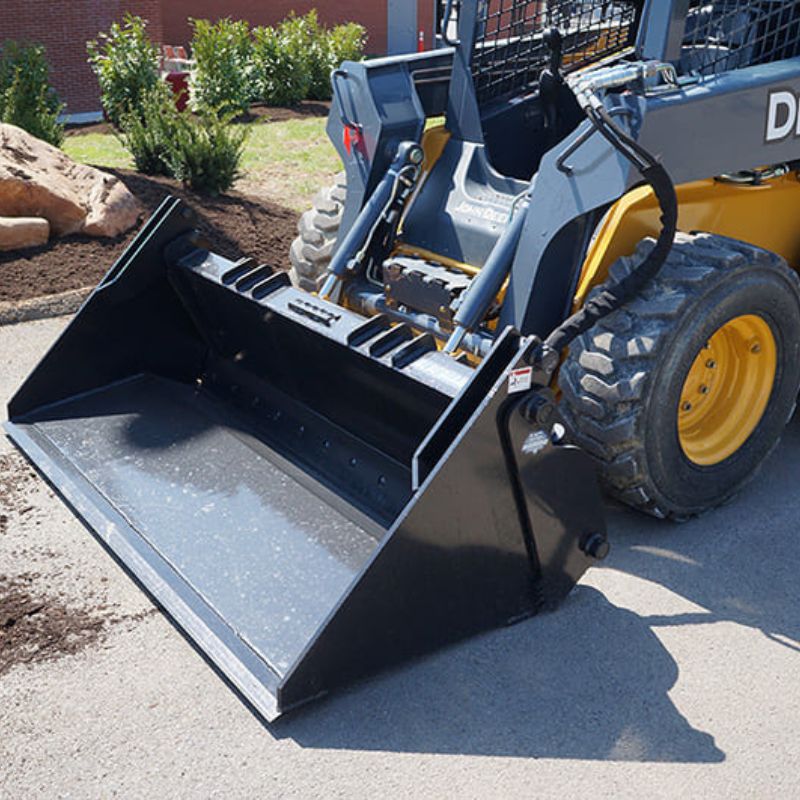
64	28
370	13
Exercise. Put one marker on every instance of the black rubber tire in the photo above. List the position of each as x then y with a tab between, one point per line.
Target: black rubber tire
622	381
312	250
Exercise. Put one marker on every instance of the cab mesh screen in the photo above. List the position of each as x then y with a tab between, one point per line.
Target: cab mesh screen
729	34
510	52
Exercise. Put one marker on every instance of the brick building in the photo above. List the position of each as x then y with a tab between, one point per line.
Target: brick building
64	27
393	25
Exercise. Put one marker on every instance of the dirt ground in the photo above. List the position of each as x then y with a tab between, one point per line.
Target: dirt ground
39	622
237	225
35	625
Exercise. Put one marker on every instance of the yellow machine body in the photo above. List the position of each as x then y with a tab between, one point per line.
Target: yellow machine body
763	215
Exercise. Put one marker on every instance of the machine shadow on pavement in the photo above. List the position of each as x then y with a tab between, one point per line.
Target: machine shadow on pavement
738	563
591	682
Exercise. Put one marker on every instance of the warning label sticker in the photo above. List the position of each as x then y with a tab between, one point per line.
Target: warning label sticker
520	380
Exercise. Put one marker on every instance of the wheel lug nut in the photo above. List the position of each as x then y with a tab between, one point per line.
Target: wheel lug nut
711	364
704	390
756	348
686	407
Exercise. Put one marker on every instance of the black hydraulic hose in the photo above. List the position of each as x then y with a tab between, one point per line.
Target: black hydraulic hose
617	294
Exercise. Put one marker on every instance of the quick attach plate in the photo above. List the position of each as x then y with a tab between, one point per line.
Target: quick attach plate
424	286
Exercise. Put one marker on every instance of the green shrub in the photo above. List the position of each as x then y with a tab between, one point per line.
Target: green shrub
125	62
146	133
205	152
309	40
322	50
281	74
26	98
347	43
221	80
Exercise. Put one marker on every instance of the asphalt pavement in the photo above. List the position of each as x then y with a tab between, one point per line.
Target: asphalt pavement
671	671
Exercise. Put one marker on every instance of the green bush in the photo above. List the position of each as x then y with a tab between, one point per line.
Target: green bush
281	73
146	133
322	50
221	80
26	98
309	40
125	62
205	152
347	43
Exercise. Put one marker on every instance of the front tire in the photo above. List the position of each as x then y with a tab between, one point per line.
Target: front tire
312	250
682	394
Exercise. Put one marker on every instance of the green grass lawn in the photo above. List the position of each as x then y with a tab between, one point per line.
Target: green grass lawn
99	150
285	162
289	161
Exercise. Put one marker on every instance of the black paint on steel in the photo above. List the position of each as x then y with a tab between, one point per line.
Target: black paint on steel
119	337
537	470
435	445
307	506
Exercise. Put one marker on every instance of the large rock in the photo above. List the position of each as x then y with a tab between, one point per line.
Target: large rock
19	232
112	208
38	180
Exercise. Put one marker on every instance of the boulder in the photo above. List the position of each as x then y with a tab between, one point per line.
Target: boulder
112	208
19	232
39	180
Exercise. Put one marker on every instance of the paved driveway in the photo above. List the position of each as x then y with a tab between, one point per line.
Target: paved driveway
672	671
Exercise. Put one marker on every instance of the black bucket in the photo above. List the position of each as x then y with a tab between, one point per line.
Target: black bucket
311	495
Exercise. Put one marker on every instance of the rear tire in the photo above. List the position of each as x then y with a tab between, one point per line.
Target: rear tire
625	381
312	250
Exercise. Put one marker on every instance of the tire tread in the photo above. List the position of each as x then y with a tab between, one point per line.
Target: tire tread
318	230
606	376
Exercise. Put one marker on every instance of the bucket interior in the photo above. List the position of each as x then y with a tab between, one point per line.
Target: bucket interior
261	549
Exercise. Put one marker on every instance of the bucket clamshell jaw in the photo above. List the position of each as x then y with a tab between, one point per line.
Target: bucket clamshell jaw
310	494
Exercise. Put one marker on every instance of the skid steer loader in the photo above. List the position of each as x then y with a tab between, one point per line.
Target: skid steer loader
561	257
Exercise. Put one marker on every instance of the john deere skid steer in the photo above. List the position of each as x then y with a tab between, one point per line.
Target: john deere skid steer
561	257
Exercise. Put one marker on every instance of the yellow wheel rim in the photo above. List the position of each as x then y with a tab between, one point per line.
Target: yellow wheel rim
727	390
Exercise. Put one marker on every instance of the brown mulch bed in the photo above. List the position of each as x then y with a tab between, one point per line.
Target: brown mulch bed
308	108
237	225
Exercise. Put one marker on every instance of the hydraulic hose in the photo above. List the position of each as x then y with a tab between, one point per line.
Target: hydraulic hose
614	296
